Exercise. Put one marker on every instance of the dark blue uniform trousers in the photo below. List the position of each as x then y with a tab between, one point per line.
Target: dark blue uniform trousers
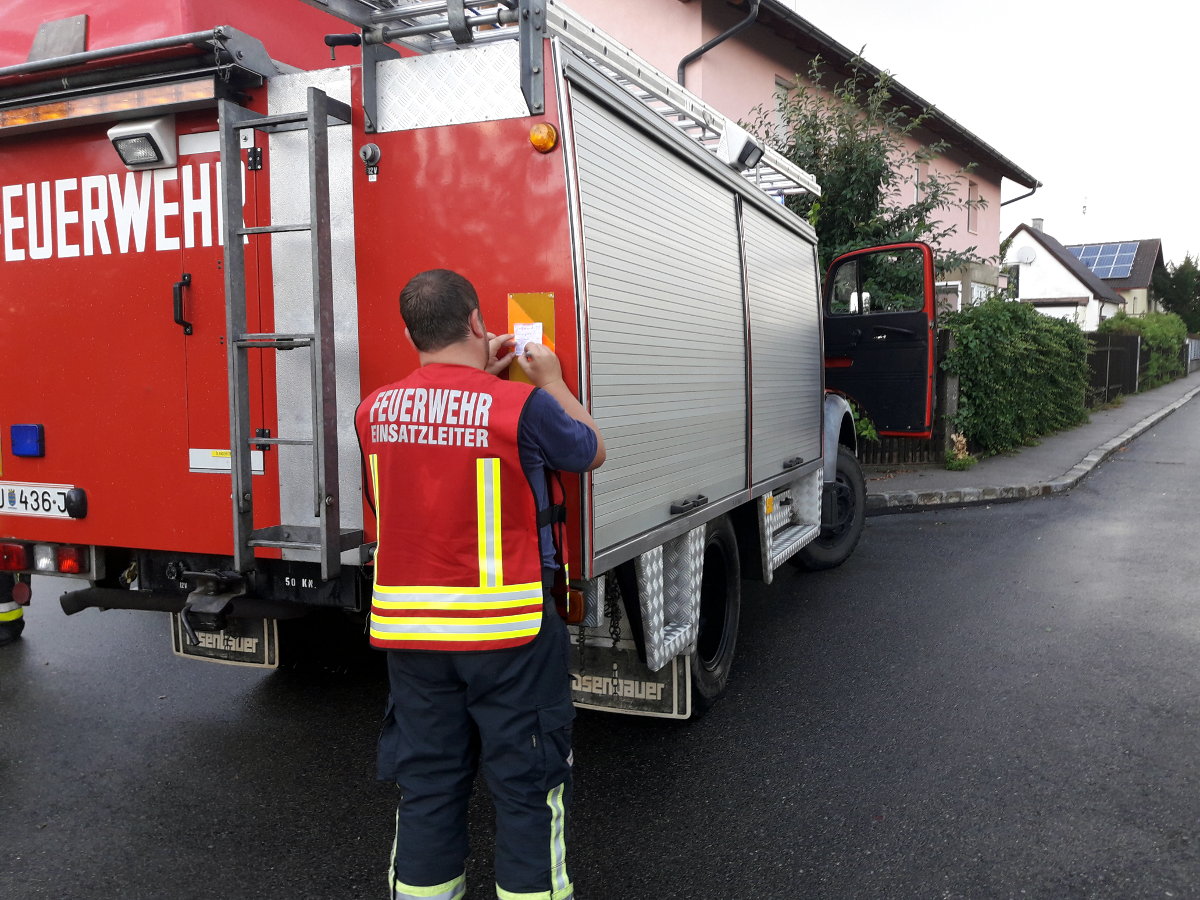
508	711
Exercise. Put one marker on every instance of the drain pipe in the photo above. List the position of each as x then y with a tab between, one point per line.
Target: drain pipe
1023	196
741	26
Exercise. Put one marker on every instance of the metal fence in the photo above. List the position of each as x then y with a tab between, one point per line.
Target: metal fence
1116	362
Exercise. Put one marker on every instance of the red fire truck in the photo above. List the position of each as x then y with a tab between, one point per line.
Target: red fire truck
204	224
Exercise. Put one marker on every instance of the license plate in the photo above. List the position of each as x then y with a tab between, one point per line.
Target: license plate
242	642
19	498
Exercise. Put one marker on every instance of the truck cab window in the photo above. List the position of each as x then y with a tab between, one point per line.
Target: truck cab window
844	298
894	279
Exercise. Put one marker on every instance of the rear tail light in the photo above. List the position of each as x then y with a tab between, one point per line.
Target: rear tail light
13	557
69	559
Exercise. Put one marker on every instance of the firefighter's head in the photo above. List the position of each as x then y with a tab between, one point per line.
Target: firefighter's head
440	308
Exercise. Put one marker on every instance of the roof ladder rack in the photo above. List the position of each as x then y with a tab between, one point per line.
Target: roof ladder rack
327	537
775	174
439	25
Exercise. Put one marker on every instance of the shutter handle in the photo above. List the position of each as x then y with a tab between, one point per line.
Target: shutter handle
682	506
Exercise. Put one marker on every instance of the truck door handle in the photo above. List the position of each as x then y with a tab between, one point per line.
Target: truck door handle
883	331
793	462
185	280
682	506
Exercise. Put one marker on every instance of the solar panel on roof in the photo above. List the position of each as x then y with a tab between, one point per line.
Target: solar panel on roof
1107	260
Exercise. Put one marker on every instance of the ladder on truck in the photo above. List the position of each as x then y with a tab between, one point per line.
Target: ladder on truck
429	27
327	538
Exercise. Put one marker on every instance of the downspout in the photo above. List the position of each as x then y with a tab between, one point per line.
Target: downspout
751	18
1032	191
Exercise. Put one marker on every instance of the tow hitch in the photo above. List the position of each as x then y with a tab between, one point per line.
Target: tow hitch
209	604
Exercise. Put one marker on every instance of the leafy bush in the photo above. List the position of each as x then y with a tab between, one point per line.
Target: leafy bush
1164	334
856	137
1021	374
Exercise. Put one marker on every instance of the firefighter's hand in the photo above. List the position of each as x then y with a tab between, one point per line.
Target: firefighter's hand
540	364
496	345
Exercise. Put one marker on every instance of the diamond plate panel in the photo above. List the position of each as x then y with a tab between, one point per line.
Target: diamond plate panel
649	567
669	595
793	521
593	601
477	84
683	561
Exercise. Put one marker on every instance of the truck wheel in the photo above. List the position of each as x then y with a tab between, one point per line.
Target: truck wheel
836	542
720	610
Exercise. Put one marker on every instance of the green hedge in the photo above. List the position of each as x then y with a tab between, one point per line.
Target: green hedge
1021	374
1164	334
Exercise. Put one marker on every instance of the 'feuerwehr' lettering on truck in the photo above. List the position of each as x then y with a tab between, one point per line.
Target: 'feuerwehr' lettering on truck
129	212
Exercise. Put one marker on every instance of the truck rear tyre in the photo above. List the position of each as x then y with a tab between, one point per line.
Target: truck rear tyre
720	610
837	541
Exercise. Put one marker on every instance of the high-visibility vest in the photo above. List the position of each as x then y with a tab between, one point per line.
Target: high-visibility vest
457	563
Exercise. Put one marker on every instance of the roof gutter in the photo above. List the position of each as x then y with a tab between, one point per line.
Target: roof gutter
1032	191
751	18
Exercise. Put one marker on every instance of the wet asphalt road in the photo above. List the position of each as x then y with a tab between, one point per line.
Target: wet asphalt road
983	703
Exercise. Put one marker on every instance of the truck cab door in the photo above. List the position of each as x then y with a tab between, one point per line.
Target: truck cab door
878	317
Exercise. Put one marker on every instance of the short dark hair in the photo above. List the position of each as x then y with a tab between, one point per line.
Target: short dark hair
436	306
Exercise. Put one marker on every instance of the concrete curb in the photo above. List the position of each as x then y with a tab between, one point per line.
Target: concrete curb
889	502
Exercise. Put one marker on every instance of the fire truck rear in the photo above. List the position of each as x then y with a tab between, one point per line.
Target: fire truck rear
204	225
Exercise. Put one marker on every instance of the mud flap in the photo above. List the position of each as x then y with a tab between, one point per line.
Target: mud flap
615	680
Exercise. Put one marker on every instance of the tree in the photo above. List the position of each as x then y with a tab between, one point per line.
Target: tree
852	139
1178	290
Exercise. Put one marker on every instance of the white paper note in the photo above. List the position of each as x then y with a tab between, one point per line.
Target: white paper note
524	333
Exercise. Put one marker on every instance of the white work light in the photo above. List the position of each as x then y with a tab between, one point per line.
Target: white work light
737	149
146	143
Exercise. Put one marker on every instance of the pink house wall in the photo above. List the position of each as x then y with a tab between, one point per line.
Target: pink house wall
742	73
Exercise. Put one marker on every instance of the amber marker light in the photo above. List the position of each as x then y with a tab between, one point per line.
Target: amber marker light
544	137
182	94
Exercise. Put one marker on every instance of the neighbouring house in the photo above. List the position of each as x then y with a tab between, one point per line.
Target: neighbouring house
1128	267
1047	275
773	49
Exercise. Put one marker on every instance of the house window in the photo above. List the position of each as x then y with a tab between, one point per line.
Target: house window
783	90
972	207
949	296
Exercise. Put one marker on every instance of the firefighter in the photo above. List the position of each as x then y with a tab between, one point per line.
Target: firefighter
461	472
12	617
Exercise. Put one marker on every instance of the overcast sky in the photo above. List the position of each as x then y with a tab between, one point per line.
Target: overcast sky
1097	101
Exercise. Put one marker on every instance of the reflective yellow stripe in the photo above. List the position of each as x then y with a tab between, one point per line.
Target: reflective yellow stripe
374	463
451	638
560	882
418	590
487	503
11	615
437	606
472	621
561	887
450	890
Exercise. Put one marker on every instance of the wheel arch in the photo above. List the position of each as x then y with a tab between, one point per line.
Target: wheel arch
838	430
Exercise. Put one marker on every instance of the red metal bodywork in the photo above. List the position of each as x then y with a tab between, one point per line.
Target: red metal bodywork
291	32
475	198
121	391
124	394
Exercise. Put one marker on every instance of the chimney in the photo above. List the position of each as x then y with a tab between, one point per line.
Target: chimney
1037	224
